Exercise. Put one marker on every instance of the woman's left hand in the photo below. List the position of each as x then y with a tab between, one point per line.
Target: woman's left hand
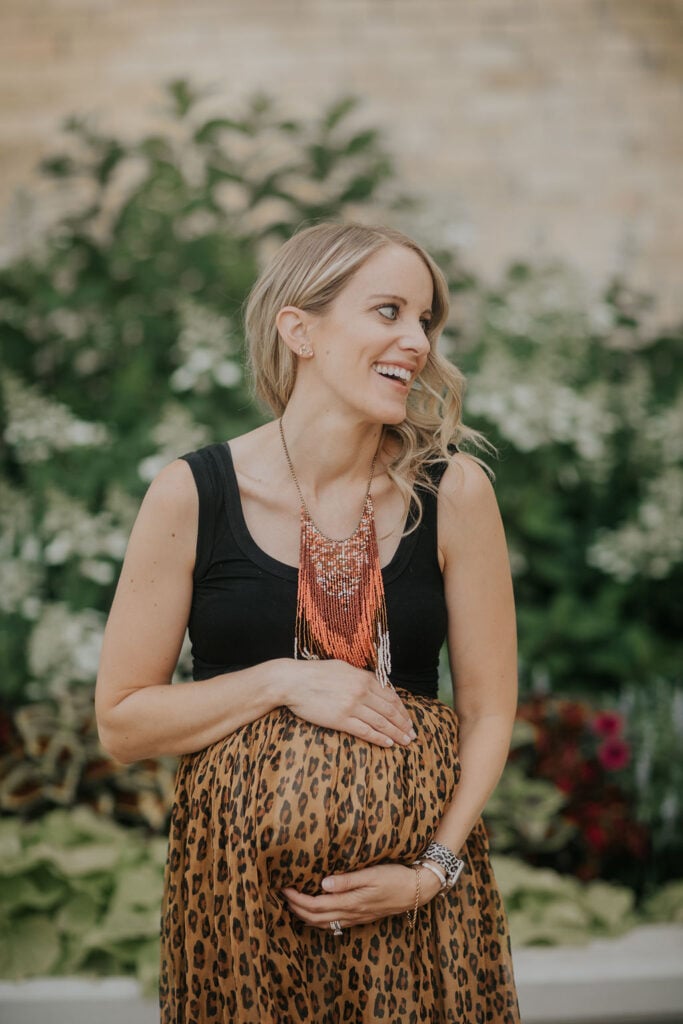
363	896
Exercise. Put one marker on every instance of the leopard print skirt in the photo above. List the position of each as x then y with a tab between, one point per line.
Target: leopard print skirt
281	802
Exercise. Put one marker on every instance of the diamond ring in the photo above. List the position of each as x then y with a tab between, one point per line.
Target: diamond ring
336	928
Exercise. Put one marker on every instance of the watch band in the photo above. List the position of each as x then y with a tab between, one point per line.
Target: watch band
446	860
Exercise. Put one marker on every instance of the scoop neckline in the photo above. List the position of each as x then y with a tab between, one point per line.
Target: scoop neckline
273	565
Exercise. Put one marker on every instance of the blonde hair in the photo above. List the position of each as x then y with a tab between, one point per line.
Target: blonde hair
309	271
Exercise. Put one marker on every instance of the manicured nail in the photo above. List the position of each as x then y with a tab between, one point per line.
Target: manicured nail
407	738
413	734
328	884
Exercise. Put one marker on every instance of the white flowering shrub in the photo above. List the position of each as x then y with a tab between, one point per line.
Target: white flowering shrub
122	348
584	401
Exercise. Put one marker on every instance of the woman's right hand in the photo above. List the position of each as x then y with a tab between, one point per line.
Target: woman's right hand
339	696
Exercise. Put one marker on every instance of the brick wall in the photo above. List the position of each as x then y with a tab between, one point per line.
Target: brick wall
531	127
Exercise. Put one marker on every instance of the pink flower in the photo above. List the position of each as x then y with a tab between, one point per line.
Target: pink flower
614	754
608	724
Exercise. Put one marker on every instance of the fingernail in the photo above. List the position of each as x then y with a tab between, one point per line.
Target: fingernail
407	737
413	734
328	884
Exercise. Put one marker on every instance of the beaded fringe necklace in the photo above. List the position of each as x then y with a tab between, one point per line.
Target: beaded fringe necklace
341	609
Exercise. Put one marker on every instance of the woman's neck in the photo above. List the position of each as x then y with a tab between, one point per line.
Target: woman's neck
326	447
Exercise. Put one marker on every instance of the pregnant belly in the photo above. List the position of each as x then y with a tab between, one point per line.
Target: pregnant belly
300	801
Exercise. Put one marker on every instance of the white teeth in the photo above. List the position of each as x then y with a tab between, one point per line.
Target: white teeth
388	370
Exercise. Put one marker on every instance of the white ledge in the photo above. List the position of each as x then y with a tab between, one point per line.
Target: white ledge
636	978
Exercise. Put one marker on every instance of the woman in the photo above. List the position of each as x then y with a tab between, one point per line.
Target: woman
327	861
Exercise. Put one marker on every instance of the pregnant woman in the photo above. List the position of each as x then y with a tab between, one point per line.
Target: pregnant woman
327	861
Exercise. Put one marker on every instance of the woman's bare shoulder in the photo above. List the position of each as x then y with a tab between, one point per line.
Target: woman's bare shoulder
173	489
465	486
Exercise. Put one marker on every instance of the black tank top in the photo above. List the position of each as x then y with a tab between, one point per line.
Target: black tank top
244	601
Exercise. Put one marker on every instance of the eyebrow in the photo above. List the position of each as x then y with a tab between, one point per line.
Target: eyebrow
398	298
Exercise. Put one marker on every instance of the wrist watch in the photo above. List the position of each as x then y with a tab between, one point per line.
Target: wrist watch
449	868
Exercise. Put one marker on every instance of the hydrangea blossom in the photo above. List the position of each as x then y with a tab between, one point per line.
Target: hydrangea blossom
205	350
37	426
650	543
64	648
175	434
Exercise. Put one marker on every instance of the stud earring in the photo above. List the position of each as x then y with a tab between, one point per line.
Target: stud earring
305	350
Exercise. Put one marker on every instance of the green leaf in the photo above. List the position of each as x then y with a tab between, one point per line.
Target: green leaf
183	96
120	927
88	859
58	166
10	841
339	110
527	931
361	141
667	904
37	889
109	161
97	887
516	879
138	887
147	967
78	915
34	948
209	131
608	905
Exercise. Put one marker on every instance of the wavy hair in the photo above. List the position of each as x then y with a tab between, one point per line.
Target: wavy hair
309	271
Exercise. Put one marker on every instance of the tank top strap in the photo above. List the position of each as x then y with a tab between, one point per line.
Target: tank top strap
213	483
435	473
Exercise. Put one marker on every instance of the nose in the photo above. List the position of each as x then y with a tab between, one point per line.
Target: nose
415	341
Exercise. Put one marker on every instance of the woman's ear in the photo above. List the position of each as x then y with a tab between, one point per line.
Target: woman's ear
293	329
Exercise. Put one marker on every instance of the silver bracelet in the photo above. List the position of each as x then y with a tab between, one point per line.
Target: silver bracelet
451	865
435	871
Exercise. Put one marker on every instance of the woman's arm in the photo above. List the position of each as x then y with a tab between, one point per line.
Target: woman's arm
139	714
482	638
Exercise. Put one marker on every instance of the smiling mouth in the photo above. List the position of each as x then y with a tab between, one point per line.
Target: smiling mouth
391	372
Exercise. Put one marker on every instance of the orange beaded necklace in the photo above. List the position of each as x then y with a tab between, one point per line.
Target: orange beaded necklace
341	609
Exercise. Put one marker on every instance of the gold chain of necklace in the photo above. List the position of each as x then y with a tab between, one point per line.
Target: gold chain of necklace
296	482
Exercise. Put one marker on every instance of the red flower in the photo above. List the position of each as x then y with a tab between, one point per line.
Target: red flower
608	724
596	837
564	783
614	754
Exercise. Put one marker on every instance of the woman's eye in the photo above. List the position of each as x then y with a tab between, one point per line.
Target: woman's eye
425	320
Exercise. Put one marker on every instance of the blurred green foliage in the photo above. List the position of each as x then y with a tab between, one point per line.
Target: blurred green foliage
81	895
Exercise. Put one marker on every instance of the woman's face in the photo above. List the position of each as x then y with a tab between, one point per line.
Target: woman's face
371	344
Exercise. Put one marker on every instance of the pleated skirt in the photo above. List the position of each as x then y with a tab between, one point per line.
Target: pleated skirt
282	802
